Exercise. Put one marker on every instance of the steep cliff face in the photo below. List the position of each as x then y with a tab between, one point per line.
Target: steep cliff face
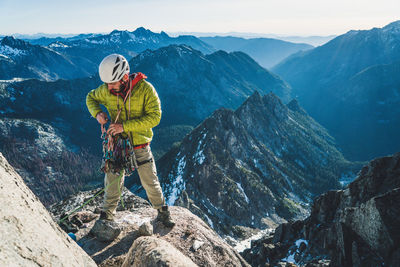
357	226
252	167
29	235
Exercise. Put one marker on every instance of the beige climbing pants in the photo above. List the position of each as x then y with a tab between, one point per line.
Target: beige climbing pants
148	177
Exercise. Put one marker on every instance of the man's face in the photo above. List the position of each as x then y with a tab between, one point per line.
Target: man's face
114	85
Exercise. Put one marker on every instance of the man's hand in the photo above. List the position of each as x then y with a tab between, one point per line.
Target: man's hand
115	128
102	118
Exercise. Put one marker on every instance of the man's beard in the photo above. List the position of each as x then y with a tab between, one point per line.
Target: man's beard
123	86
121	91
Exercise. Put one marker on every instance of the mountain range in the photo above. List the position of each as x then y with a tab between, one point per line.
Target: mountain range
192	85
233	146
83	52
79	56
314	40
254	167
345	84
61	105
47	40
266	51
20	59
90	51
129	42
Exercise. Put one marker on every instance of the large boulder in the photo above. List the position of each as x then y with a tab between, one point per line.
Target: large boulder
105	230
152	251
29	236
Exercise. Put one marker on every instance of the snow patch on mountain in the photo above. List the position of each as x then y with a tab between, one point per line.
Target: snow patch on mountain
295	122
290	258
242	192
13	80
58	45
48	141
245	244
62	98
209	221
300	163
114	38
284	176
11	52
199	155
182	51
178	184
347	178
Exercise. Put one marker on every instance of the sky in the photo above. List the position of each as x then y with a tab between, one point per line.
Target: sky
284	17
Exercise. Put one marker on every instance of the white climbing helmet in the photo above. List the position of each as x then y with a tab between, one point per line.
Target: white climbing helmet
113	68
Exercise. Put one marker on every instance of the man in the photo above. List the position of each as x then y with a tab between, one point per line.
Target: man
136	116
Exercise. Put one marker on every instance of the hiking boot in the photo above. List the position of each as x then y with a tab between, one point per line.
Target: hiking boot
165	217
106	216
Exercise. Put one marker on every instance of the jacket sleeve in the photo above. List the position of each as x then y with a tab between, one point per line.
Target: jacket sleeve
152	112
93	100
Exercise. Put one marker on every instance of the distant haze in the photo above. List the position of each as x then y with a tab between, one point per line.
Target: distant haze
312	40
285	17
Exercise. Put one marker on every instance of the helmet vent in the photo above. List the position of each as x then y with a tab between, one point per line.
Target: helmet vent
115	76
120	76
115	69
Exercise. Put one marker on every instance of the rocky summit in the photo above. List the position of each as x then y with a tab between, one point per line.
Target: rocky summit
143	241
357	226
254	167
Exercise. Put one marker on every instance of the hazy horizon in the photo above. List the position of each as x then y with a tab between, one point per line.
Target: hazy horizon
286	17
172	34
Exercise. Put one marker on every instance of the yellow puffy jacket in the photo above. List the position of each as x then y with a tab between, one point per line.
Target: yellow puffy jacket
145	110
